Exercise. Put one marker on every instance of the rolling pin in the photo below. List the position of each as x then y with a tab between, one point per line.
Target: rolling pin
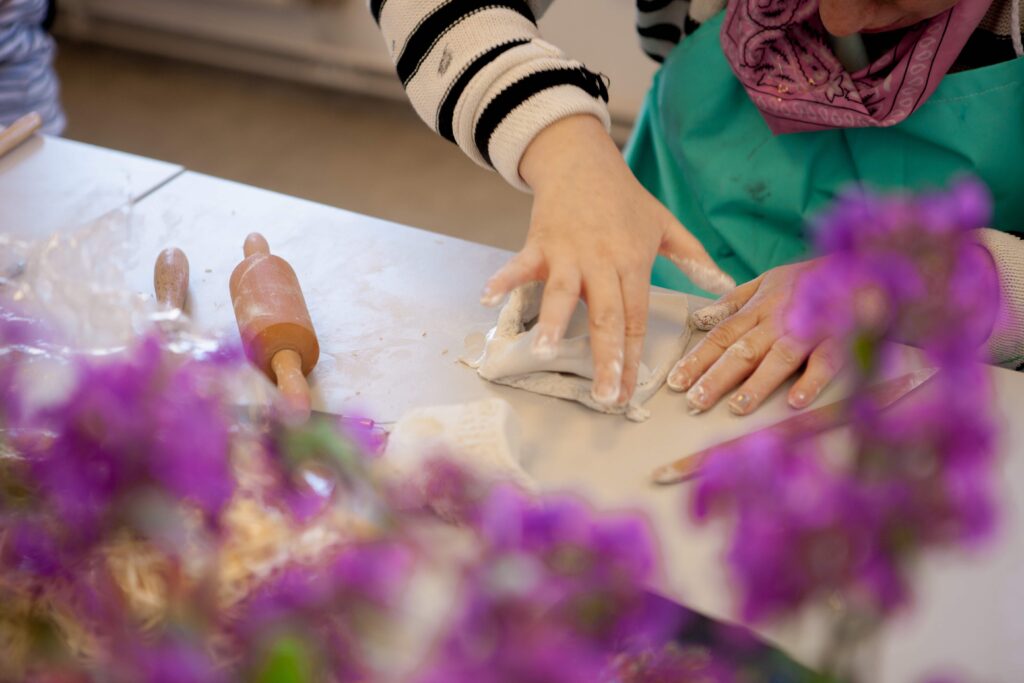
170	279
274	323
19	131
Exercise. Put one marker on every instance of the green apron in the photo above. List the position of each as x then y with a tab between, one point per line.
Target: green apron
702	148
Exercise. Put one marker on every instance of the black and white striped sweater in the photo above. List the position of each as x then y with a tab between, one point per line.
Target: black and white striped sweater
479	74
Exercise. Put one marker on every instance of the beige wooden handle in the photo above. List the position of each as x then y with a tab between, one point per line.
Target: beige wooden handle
287	367
19	131
170	278
255	243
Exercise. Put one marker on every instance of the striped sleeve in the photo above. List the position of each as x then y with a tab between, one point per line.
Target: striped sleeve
28	81
478	73
661	24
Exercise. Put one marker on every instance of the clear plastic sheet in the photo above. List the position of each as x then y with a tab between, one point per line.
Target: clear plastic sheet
70	296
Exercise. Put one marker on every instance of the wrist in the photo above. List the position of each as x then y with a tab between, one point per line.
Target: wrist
557	148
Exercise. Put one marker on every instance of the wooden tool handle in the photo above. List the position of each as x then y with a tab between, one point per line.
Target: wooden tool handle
19	131
255	243
287	366
170	278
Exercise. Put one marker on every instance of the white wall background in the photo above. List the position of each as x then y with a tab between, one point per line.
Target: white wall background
335	42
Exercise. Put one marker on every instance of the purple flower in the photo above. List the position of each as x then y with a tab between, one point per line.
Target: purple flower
800	529
328	605
556	593
920	474
174	658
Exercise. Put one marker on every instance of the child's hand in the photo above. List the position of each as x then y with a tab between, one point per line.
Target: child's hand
594	234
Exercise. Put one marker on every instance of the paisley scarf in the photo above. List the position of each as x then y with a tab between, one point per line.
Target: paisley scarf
780	52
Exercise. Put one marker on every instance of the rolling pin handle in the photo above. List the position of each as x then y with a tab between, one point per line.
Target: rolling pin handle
287	366
170	278
255	243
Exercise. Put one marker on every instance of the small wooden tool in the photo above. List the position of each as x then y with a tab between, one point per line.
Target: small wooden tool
806	424
274	322
19	131
170	279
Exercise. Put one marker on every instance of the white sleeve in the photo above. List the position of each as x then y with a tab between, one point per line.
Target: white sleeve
478	73
1006	345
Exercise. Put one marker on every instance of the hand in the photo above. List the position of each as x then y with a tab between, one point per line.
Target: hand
594	234
748	342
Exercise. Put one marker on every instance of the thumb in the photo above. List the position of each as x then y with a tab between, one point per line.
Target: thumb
689	256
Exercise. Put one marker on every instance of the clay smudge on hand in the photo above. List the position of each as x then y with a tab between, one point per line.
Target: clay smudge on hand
705	276
709	316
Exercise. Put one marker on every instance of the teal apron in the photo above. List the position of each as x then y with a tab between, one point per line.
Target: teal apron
702	148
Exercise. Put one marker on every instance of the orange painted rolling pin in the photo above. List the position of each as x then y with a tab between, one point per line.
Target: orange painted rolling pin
274	322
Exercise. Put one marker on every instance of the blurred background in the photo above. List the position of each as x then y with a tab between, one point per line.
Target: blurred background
300	97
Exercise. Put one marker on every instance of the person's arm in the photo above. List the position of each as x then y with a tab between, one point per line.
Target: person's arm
1006	345
479	74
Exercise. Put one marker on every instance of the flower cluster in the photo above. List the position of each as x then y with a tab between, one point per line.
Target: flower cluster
553	596
810	522
125	501
134	433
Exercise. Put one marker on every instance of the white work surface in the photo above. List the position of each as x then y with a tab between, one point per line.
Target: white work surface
392	306
50	184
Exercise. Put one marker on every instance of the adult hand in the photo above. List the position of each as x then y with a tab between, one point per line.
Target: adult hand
748	343
594	233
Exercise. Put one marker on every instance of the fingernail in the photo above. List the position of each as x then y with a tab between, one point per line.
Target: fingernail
489	297
697	399
740	403
679	379
606	392
799	399
545	347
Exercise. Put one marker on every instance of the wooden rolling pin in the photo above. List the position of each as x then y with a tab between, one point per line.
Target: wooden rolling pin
274	322
170	279
19	131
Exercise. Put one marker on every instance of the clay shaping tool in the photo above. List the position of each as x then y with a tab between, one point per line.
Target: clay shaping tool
170	279
276	329
806	424
19	131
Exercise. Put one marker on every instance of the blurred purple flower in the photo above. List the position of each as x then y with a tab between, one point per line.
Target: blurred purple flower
327	604
130	424
900	268
800	530
911	254
554	595
173	658
30	548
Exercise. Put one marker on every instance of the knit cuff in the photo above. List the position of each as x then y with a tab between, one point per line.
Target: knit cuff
537	95
1006	345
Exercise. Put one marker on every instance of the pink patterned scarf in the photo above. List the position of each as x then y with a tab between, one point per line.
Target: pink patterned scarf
780	52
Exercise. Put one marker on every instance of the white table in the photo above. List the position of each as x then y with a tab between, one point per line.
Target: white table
393	305
51	184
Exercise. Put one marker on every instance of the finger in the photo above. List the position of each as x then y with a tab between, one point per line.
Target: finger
707	317
636	300
709	349
689	256
561	296
526	266
824	363
604	300
783	359
734	365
